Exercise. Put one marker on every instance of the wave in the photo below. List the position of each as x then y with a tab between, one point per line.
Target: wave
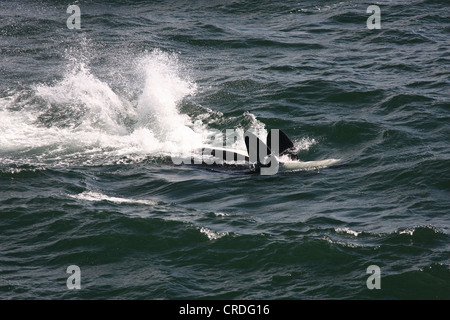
212	235
420	236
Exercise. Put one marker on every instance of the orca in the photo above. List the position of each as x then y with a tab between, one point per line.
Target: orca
266	158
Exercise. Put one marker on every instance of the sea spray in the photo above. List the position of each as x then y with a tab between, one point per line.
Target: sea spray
157	107
81	118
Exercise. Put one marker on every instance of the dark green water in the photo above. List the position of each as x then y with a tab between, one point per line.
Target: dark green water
90	117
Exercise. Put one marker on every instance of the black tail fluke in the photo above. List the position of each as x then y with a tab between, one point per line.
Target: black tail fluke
286	146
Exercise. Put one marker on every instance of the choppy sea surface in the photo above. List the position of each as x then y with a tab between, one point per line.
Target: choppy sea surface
89	118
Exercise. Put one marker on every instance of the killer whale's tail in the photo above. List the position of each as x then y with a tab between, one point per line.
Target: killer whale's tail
266	156
285	145
277	143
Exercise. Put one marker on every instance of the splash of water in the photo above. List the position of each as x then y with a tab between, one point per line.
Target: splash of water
81	117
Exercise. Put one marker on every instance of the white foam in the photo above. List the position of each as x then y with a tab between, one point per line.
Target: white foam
96	196
211	234
81	91
304	144
411	231
347	231
407	231
221	214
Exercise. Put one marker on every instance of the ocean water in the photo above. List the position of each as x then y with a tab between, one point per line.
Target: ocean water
90	117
